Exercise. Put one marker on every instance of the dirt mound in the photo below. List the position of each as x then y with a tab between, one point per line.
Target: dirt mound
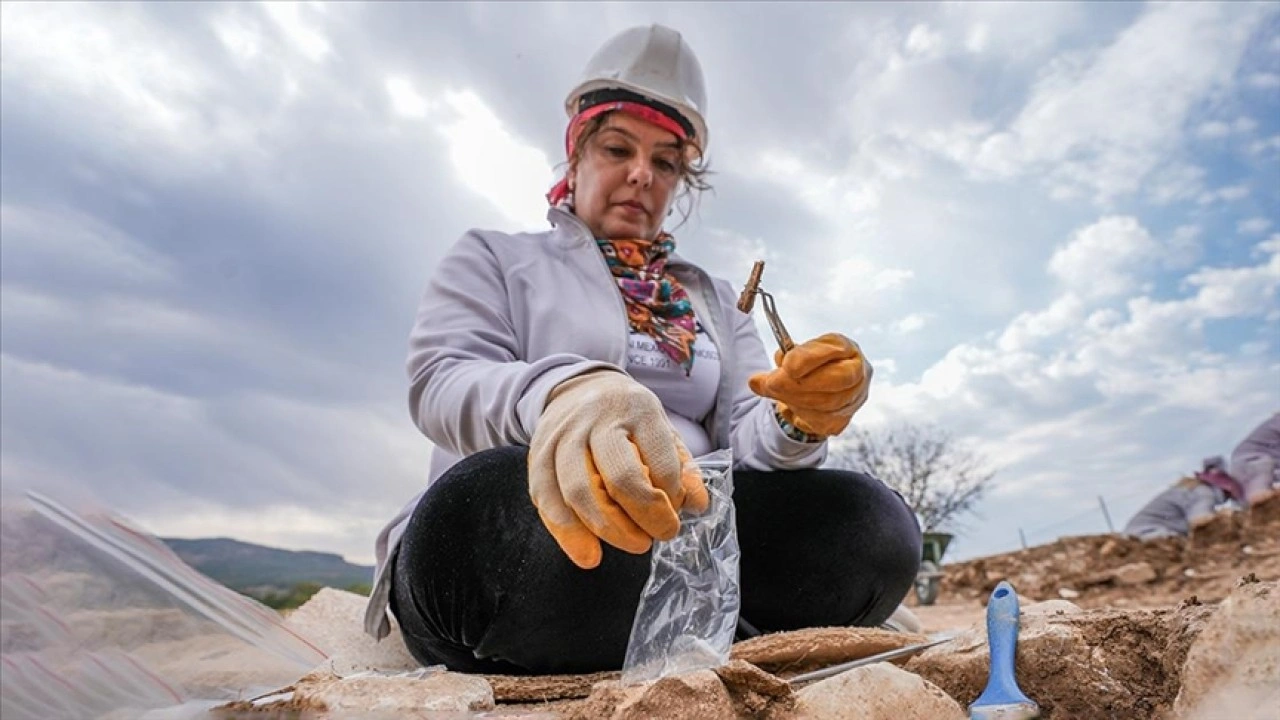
1234	665
1115	571
1079	663
1165	664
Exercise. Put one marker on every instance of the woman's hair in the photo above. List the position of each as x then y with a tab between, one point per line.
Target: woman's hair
693	176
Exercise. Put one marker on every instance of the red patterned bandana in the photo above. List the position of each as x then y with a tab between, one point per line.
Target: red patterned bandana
657	304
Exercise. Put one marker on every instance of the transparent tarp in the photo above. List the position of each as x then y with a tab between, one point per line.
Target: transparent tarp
99	619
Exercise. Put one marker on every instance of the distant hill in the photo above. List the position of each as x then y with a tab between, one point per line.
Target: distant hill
253	568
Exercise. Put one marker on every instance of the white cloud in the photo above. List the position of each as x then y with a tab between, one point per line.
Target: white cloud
1077	387
21	305
1213	129
906	325
884	367
1232	292
834	195
857	277
1219	129
300	28
1183	248
1175	181
161	107
1028	329
1012	32
115	67
493	163
1173	56
1254	348
287	525
241	36
1230	193
157	330
886	278
977	38
71	242
182	458
1264	81
911	323
405	100
1101	259
923	42
1253	226
1079	365
1158	332
1265	145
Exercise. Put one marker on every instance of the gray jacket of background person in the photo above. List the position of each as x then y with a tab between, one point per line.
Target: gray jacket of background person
508	316
1170	513
1256	460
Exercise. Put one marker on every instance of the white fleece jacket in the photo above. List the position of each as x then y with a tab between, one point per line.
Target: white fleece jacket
506	317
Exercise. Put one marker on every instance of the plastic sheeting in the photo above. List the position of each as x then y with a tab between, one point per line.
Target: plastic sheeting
102	620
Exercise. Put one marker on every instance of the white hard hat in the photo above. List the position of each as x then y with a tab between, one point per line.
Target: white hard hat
652	61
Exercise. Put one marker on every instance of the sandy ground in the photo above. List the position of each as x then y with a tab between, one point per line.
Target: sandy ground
950	617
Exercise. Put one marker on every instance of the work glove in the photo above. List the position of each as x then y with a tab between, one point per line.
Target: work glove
605	464
818	385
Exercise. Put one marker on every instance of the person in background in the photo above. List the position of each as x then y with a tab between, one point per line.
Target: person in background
1189	502
1255	462
567	376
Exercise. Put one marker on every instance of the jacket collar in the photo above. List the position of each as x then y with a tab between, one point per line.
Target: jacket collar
568	230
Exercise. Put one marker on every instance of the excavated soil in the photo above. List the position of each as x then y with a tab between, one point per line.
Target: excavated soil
1085	663
543	688
782	654
1118	647
1121	656
1113	571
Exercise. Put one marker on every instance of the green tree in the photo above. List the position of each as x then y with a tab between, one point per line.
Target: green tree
293	597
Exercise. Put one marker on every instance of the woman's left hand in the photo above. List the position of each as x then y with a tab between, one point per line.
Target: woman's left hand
818	385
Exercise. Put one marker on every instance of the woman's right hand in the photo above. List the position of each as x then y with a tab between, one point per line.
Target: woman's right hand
605	464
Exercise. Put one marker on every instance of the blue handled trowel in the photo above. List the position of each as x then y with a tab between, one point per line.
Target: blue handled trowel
1003	699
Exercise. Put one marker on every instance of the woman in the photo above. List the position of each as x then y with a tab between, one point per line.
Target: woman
567	376
1256	461
1188	504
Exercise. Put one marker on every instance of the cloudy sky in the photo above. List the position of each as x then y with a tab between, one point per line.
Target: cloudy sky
1054	228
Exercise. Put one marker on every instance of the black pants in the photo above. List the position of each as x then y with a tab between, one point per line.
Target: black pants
481	586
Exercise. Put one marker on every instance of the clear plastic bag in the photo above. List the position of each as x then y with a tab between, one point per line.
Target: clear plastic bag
688	611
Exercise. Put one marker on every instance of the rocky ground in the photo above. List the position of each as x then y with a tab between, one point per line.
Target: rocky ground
1116	572
1111	628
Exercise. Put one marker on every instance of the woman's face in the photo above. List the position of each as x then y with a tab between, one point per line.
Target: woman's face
626	178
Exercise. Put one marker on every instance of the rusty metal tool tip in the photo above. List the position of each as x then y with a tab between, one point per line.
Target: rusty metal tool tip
747	300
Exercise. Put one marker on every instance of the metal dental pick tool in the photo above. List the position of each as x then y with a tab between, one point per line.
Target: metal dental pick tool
747	300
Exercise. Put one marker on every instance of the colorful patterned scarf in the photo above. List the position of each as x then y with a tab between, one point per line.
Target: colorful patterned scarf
657	304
